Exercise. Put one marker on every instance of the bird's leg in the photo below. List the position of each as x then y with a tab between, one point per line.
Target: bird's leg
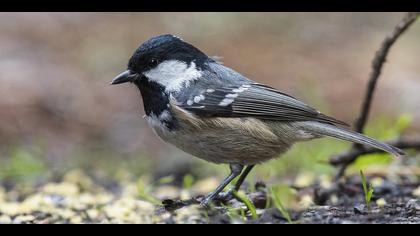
229	194
235	170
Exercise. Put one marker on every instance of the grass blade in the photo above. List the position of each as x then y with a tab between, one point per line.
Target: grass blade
248	204
368	193
279	205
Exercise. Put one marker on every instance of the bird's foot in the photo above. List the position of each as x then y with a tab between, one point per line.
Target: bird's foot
225	196
222	197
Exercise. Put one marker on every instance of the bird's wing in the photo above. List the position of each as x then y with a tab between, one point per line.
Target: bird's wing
252	100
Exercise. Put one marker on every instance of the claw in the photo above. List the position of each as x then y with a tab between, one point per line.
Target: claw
225	196
205	203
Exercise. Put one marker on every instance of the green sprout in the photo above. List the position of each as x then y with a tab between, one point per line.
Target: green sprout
143	192
279	205
234	214
187	181
248	204
166	180
368	193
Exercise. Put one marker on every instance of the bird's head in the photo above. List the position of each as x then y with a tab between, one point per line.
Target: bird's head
166	60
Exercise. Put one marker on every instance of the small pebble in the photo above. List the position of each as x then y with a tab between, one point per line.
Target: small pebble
334	199
23	219
416	192
377	181
306	201
304	180
380	202
76	220
4	219
359	210
413	204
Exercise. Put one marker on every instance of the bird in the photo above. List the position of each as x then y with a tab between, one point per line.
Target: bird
213	112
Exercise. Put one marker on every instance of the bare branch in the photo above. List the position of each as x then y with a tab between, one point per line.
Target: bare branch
377	63
345	159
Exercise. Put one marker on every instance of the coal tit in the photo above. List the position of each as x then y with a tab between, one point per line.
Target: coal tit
214	113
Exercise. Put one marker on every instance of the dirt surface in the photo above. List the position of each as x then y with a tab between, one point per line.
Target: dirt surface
391	203
79	199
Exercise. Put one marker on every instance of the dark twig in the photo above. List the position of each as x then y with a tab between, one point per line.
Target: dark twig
345	159
377	63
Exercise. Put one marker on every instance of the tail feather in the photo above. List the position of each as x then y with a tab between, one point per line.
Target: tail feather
322	129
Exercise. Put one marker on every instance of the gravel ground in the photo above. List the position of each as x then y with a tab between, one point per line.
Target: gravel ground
79	199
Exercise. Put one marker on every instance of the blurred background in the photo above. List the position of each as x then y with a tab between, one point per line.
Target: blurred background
58	111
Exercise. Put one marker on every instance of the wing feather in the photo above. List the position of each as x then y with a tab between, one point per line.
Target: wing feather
254	100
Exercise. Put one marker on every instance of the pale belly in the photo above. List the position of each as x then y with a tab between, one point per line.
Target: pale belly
242	142
225	147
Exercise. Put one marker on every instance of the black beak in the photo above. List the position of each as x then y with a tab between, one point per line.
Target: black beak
126	76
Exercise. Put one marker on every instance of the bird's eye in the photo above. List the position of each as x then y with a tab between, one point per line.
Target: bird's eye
153	63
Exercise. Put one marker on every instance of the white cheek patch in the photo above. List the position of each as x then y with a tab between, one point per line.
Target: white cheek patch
173	74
